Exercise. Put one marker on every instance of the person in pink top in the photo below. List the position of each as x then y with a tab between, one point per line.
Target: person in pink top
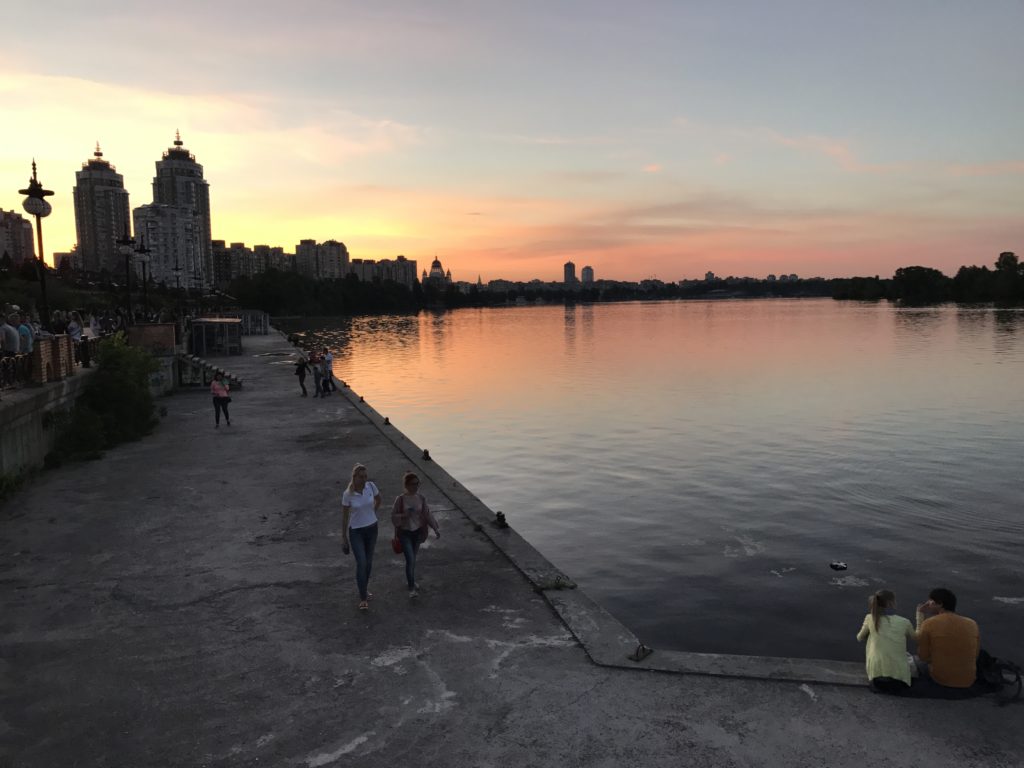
219	389
412	518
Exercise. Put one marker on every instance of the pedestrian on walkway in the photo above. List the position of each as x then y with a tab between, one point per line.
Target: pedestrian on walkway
301	369
329	370
314	363
359	504
220	389
325	374
411	518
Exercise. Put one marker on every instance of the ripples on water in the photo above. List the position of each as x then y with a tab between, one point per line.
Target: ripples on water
695	466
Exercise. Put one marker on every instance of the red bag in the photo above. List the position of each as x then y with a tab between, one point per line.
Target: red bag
396	546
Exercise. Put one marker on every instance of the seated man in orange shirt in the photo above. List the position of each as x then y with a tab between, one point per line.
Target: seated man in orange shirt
947	642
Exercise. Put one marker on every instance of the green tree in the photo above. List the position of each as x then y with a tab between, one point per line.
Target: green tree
920	285
1009	283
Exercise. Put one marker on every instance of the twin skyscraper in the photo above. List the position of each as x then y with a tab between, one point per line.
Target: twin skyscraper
175	227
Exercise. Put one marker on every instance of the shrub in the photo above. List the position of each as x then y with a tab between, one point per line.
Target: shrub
115	407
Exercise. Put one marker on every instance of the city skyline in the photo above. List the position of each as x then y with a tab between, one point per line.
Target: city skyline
653	141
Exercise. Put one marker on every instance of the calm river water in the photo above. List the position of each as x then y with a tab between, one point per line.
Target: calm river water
696	466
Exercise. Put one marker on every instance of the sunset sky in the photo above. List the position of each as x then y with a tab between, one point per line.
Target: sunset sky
645	139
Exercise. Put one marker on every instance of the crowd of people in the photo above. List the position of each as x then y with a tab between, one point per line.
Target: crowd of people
20	329
321	365
948	647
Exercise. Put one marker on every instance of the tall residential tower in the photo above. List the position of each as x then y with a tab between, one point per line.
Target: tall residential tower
179	184
101	214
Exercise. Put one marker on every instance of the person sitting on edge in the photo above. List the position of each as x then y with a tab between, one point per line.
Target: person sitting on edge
947	643
886	652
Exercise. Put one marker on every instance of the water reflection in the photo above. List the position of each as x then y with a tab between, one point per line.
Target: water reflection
727	451
569	324
1007	324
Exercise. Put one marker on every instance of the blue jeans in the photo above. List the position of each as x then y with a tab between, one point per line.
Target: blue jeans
363	541
410	546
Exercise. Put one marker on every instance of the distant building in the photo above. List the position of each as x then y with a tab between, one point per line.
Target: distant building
771	278
273	257
400	269
102	214
587	275
709	277
179	183
333	260
174	240
325	261
437	277
569	273
305	258
16	241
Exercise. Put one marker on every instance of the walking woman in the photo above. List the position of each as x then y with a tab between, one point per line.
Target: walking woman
887	664
359	505
301	369
220	389
412	517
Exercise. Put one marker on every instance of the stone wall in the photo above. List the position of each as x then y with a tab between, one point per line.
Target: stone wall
27	431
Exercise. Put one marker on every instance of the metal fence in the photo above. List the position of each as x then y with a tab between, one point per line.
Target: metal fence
16	371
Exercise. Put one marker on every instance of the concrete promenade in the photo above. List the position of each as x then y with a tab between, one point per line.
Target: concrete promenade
184	602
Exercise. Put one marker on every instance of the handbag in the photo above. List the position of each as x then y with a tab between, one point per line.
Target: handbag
396	545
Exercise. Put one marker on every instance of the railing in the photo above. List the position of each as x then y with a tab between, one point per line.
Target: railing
58	356
86	351
195	372
15	371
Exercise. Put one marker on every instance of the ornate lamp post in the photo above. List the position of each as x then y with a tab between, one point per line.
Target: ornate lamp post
35	204
142	254
126	244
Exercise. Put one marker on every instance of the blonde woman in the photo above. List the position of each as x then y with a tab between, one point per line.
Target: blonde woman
887	634
359	504
412	517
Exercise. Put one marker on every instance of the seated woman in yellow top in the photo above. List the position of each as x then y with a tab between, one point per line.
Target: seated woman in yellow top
887	634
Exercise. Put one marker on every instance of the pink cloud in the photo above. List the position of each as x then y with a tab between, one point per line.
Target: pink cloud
652	168
1006	168
837	150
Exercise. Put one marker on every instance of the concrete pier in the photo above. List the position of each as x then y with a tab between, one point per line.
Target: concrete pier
185	602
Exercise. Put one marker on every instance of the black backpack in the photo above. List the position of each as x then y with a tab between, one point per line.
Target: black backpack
999	676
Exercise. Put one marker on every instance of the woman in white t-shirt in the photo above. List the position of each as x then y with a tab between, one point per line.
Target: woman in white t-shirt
359	505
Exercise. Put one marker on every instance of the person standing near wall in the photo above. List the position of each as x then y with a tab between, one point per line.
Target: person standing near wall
10	339
28	339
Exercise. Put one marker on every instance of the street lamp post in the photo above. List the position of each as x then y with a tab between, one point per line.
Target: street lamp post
126	244
36	204
142	253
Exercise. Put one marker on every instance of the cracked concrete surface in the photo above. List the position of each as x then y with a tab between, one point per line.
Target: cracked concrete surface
184	602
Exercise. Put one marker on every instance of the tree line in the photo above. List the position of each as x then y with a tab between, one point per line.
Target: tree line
1004	285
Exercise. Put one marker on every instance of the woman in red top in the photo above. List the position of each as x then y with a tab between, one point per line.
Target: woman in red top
219	389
